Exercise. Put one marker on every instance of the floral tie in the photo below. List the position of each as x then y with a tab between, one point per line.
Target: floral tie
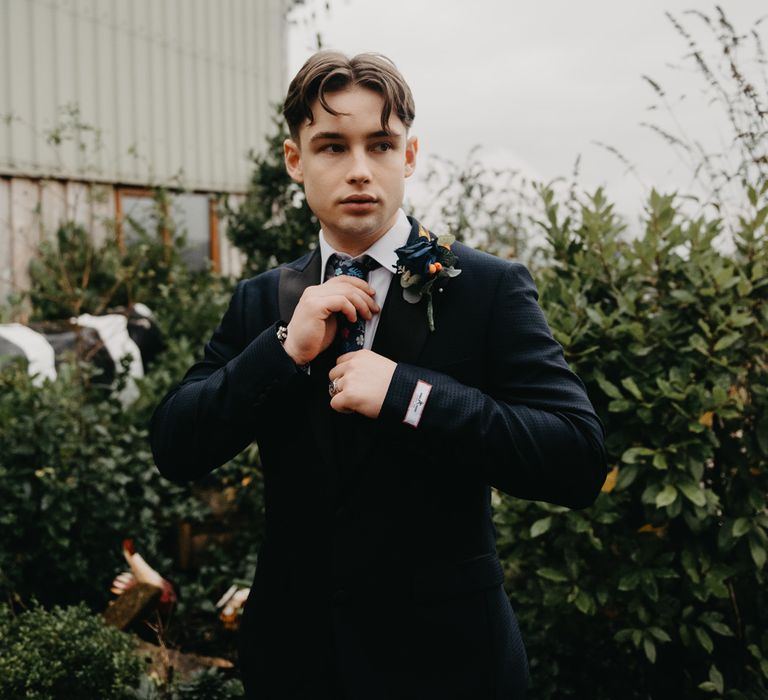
351	335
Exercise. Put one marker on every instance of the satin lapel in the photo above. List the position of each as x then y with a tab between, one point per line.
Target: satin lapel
294	279
403	327
400	336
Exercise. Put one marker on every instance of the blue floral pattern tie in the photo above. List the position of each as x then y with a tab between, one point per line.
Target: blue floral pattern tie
351	335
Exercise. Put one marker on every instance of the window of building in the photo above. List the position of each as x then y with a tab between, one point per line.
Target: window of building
193	215
190	215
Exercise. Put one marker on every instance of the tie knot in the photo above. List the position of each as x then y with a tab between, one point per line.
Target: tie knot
354	268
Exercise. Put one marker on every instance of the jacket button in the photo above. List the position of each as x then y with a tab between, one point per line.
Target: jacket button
340	596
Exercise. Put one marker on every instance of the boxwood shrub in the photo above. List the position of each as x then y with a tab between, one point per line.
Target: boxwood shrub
65	654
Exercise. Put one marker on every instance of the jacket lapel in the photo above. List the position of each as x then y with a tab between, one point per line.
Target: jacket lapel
294	279
403	328
401	334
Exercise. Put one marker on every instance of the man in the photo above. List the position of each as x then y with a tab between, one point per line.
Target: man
383	414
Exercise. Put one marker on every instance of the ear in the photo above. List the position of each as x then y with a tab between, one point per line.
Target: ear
411	149
292	155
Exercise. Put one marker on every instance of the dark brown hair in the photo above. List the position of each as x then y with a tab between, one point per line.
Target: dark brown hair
330	71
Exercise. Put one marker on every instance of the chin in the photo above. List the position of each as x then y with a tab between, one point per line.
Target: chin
361	227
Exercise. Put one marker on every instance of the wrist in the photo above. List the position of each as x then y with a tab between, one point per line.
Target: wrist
285	340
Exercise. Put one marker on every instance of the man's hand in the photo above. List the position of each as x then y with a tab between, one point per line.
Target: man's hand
313	325
362	380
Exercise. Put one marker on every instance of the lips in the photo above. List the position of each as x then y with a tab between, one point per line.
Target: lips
359	199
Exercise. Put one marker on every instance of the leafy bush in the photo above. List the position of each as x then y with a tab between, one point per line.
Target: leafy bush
232	559
65	653
76	475
274	224
490	206
659	589
76	478
209	685
70	275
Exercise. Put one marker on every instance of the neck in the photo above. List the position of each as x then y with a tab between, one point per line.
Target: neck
352	248
355	243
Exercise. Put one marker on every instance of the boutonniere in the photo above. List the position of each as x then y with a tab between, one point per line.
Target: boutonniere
421	264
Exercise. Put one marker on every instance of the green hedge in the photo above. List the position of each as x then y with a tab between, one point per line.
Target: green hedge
65	654
76	473
659	589
76	478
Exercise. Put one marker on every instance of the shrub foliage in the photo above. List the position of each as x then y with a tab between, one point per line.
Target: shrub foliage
274	224
659	589
76	478
65	653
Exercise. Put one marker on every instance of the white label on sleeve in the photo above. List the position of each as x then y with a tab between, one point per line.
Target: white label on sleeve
418	401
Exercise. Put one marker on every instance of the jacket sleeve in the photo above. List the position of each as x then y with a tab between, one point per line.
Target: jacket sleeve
531	431
211	416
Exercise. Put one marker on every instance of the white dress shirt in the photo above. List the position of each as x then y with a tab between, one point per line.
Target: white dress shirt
383	252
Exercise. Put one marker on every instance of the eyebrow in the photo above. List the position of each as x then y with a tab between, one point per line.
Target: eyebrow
337	136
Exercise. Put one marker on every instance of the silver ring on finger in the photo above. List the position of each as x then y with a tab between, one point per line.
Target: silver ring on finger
333	388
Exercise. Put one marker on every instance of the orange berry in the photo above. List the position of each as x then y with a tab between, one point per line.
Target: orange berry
438	266
432	268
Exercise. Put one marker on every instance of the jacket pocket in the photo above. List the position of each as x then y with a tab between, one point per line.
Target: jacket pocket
445	579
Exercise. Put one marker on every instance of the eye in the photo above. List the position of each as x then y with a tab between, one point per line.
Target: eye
332	148
383	147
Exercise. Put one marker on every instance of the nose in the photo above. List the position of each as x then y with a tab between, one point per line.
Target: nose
359	170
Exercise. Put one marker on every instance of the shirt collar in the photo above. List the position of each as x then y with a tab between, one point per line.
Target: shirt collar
382	251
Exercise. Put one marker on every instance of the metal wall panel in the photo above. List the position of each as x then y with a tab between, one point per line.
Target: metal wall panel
173	86
6	261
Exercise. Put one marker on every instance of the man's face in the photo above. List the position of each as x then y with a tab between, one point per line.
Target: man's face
353	172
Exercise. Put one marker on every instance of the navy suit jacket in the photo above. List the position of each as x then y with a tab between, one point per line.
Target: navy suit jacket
379	572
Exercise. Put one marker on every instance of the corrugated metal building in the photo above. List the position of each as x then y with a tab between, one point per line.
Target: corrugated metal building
103	100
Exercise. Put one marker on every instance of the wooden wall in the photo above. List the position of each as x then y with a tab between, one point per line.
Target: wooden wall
31	210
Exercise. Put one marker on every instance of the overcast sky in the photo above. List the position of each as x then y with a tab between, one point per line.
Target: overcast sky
536	83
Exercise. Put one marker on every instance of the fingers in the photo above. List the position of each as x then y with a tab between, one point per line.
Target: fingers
364	305
362	379
340	369
341	361
330	297
338	403
346	307
349	307
349	300
348	279
313	324
354	289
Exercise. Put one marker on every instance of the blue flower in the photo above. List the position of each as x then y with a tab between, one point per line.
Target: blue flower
421	264
417	257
